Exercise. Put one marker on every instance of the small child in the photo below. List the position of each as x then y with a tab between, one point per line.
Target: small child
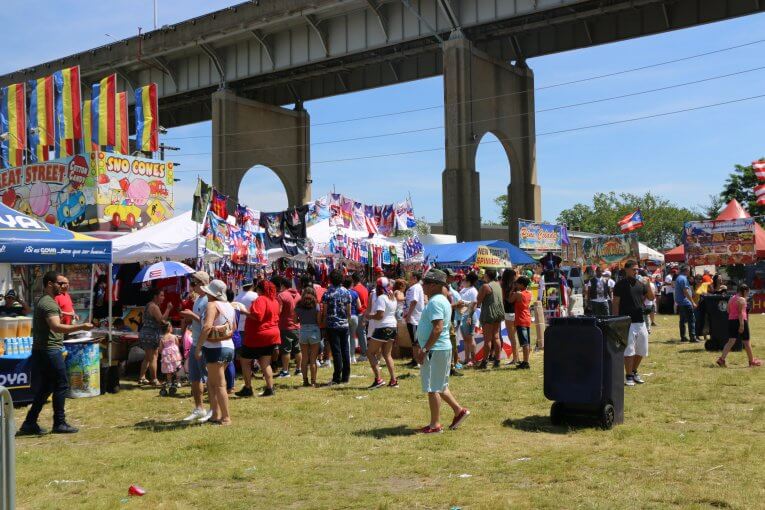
170	352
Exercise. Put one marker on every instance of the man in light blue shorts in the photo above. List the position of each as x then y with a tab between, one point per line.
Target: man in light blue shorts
197	368
435	353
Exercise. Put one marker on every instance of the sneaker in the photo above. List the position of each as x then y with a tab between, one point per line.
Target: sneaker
523	365
333	383
458	366
683	340
267	392
298	372
393	383
362	358
206	416
431	430
469	364
283	373
412	364
459	418
629	381
755	363
246	391
495	364
455	373
512	362
328	364
64	428
721	363
31	430
483	365
694	340
195	415
379	383
636	377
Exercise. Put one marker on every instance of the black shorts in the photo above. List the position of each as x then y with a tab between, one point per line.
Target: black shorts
257	352
733	330
384	334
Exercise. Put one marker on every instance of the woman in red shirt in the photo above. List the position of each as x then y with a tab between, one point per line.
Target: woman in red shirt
261	338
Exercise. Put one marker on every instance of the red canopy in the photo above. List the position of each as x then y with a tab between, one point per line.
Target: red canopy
732	211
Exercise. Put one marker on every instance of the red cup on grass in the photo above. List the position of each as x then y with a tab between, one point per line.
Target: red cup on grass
136	490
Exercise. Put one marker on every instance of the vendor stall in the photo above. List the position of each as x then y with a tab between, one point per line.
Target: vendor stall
464	254
26	240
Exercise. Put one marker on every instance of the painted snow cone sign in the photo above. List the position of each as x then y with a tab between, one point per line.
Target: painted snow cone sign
83	368
608	251
91	192
539	237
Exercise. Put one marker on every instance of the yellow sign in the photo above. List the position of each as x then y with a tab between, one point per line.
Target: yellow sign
486	256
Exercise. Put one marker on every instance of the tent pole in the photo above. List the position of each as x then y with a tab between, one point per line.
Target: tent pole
92	286
109	297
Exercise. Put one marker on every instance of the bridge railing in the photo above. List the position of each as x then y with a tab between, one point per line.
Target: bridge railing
7	452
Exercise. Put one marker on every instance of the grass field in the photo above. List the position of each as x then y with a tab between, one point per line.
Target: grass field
692	438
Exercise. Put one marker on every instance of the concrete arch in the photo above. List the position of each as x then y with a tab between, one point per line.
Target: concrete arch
248	133
481	95
261	180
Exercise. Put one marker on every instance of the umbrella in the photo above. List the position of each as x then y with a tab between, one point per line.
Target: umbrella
162	270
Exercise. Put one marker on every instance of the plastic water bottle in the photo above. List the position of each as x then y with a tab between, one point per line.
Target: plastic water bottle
10	343
29	345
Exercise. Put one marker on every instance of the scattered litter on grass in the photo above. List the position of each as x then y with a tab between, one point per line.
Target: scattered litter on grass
716	467
61	482
455	508
682	436
353	376
350	416
124	500
361	396
363	471
681	422
250	469
649	374
523	459
465	475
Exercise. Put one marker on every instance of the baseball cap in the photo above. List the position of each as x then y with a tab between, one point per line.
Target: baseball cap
202	277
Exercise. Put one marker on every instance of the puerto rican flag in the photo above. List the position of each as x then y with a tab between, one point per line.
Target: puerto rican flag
759	170
759	192
632	221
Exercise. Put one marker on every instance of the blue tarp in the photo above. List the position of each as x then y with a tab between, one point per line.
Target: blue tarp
464	253
27	240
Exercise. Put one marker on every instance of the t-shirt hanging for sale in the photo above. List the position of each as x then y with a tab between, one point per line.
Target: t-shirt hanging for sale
271	222
358	220
335	210
294	222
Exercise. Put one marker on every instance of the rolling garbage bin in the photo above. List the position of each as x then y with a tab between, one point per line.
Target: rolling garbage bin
584	368
716	311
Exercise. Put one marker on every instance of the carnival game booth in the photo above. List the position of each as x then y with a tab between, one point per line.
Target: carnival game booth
25	240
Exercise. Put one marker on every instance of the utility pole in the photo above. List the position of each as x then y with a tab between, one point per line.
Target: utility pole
163	148
155	14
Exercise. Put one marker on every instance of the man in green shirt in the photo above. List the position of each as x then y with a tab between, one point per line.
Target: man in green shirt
48	368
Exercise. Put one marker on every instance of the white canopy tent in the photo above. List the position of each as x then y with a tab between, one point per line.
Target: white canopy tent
174	239
648	253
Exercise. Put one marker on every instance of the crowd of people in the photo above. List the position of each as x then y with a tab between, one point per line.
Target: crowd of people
272	323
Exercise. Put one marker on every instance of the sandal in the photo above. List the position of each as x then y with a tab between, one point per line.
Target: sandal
143	381
156	383
721	363
755	363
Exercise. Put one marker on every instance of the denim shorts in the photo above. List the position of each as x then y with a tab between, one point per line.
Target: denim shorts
310	334
524	335
218	354
197	368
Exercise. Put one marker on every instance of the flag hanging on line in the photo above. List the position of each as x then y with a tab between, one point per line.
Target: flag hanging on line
759	169
759	192
632	221
201	201
122	128
68	108
13	124
104	117
87	126
41	119
146	118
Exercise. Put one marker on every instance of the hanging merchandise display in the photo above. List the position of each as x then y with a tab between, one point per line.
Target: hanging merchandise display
335	210
218	204
295	222
215	233
202	197
318	210
369	219
247	218
358	218
272	222
346	209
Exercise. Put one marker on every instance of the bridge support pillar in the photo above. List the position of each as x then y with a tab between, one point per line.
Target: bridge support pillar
248	133
482	95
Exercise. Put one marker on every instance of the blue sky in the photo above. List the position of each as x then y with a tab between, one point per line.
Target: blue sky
683	157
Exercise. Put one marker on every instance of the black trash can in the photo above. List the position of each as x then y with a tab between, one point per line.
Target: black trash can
584	368
666	304
716	311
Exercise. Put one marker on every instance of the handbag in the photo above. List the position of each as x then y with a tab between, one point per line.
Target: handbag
221	331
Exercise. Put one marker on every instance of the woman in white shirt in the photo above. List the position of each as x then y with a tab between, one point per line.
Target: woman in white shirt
467	304
217	347
383	317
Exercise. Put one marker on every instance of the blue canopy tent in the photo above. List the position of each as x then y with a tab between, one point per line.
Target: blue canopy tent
27	240
463	254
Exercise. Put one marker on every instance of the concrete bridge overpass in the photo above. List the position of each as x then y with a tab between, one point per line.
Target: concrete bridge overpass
239	65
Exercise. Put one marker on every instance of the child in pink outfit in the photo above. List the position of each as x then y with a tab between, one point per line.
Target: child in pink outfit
170	352
738	327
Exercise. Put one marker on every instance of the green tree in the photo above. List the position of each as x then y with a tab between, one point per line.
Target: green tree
504	209
663	220
740	185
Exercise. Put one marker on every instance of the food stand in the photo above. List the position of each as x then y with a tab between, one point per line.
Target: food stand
28	240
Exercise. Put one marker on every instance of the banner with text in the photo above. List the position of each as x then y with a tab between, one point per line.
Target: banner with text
608	251
720	243
498	258
539	237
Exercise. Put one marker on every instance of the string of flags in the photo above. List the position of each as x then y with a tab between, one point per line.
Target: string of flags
759	171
